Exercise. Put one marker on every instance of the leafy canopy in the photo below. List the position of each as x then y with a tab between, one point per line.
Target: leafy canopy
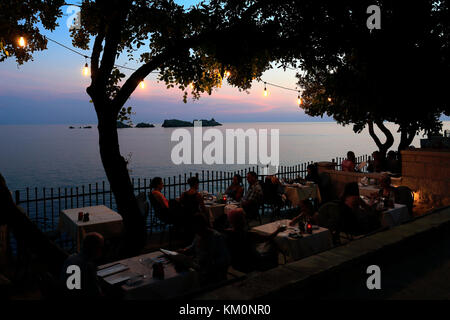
21	19
398	73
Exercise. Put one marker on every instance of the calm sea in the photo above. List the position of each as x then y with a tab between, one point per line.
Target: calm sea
56	156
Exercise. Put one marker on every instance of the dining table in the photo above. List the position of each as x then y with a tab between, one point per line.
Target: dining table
215	210
134	278
390	216
294	243
297	192
395	216
102	219
368	190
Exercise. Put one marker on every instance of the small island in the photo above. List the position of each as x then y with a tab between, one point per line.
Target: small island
175	123
85	127
144	125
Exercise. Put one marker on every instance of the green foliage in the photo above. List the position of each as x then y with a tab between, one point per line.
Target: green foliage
125	115
188	46
398	73
21	19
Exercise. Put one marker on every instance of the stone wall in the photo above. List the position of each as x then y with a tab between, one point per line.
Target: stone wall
427	172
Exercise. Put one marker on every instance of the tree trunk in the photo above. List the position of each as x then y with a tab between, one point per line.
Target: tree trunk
117	173
406	138
382	147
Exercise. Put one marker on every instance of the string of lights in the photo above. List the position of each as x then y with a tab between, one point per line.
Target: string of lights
22	43
86	67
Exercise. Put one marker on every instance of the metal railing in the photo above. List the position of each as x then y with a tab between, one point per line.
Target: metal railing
44	205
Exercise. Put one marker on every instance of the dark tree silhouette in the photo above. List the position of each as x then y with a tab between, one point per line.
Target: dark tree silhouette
20	19
398	73
195	46
27	233
370	77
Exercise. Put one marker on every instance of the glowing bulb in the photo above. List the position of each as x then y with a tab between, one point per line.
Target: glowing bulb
142	84
265	90
329	99
86	70
191	85
227	73
299	101
21	42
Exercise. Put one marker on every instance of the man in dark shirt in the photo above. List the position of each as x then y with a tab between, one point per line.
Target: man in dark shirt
86	261
254	196
209	252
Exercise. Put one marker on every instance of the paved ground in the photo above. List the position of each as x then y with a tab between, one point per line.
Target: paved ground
431	274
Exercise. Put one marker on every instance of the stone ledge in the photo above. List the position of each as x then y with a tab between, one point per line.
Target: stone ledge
301	276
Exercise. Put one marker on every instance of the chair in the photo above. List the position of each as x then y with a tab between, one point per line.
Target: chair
253	214
329	217
404	195
162	214
143	205
271	198
49	286
325	188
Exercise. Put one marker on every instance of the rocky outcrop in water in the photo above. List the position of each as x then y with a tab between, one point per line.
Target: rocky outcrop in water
175	123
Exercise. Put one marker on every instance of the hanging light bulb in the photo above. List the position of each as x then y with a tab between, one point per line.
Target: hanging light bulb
142	84
265	90
86	70
329	99
191	85
21	42
227	73
299	100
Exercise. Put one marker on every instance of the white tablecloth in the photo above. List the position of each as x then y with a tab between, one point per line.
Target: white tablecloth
101	219
367	191
174	284
215	211
298	192
395	216
230	207
320	240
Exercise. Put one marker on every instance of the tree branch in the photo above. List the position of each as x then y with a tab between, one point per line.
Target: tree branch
374	136
133	81
96	50
389	137
383	147
406	137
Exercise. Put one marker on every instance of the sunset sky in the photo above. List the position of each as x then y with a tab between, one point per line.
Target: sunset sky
51	90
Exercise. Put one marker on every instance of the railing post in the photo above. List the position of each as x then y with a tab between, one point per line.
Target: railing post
17	197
